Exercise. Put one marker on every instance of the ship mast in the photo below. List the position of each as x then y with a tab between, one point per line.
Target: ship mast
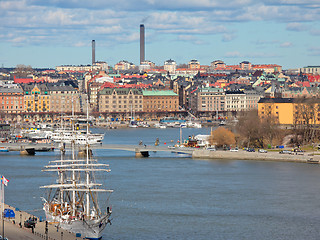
73	158
87	172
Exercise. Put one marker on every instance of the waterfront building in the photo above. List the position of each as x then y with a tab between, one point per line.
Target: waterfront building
36	98
208	99
235	101
160	101
290	111
94	88
11	100
120	100
64	99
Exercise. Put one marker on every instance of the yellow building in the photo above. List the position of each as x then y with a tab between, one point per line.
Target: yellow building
36	98
290	110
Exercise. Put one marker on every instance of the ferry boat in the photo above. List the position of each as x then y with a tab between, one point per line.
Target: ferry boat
80	137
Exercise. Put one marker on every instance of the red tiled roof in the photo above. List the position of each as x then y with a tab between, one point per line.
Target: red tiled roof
22	80
313	78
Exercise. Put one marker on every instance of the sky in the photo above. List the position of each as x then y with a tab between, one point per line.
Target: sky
48	33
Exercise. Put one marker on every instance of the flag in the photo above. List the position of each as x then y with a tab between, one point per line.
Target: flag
4	181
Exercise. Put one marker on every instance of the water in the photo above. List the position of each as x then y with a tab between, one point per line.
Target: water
168	197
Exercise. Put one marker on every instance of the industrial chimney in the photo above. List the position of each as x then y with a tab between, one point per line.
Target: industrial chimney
142	47
93	52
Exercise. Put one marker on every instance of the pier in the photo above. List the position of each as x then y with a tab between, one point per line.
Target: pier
14	228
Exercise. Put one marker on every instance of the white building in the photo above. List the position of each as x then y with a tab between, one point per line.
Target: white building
235	101
170	66
315	70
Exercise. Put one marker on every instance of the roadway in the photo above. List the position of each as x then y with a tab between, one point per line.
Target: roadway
120	147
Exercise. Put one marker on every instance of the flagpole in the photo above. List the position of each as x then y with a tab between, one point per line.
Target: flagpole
2	204
2	197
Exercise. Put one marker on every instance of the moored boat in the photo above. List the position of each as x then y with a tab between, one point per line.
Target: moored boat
73	200
4	149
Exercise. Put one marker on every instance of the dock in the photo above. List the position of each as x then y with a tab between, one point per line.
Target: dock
14	228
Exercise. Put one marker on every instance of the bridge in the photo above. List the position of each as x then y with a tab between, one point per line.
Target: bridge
139	150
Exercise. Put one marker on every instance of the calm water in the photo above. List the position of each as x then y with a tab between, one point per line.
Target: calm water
168	197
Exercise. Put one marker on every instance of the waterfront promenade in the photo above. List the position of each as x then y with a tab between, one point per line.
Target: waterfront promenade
244	155
14	229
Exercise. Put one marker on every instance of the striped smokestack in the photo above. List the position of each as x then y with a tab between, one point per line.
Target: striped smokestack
142	43
93	52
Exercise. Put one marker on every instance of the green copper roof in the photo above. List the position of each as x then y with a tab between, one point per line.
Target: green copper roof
158	93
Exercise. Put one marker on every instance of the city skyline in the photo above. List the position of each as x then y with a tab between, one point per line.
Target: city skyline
56	32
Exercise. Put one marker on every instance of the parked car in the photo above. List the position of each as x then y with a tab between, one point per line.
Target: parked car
30	223
286	152
234	150
211	148
298	151
262	151
251	150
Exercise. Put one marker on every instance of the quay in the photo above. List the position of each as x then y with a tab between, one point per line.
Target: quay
244	155
14	228
143	151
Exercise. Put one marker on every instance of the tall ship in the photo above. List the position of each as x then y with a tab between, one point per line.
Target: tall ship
73	201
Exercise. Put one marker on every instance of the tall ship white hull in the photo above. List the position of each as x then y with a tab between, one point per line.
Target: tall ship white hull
90	229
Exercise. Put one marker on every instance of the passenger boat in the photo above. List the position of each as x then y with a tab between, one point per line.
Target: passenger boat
4	149
78	136
72	201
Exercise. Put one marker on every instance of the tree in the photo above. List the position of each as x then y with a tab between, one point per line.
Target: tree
249	129
222	136
305	118
22	71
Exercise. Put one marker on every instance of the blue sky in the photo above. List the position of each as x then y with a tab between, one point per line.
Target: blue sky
47	33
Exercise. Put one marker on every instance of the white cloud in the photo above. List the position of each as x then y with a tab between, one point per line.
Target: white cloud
314	51
237	54
286	44
233	54
296	26
227	37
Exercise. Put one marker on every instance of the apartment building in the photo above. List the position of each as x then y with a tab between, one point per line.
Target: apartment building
11	100
120	100
36	98
252	99
288	111
64	99
194	64
235	101
170	66
208	99
160	101
315	70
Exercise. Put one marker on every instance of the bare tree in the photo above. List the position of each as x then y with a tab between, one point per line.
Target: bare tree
248	128
23	71
305	119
